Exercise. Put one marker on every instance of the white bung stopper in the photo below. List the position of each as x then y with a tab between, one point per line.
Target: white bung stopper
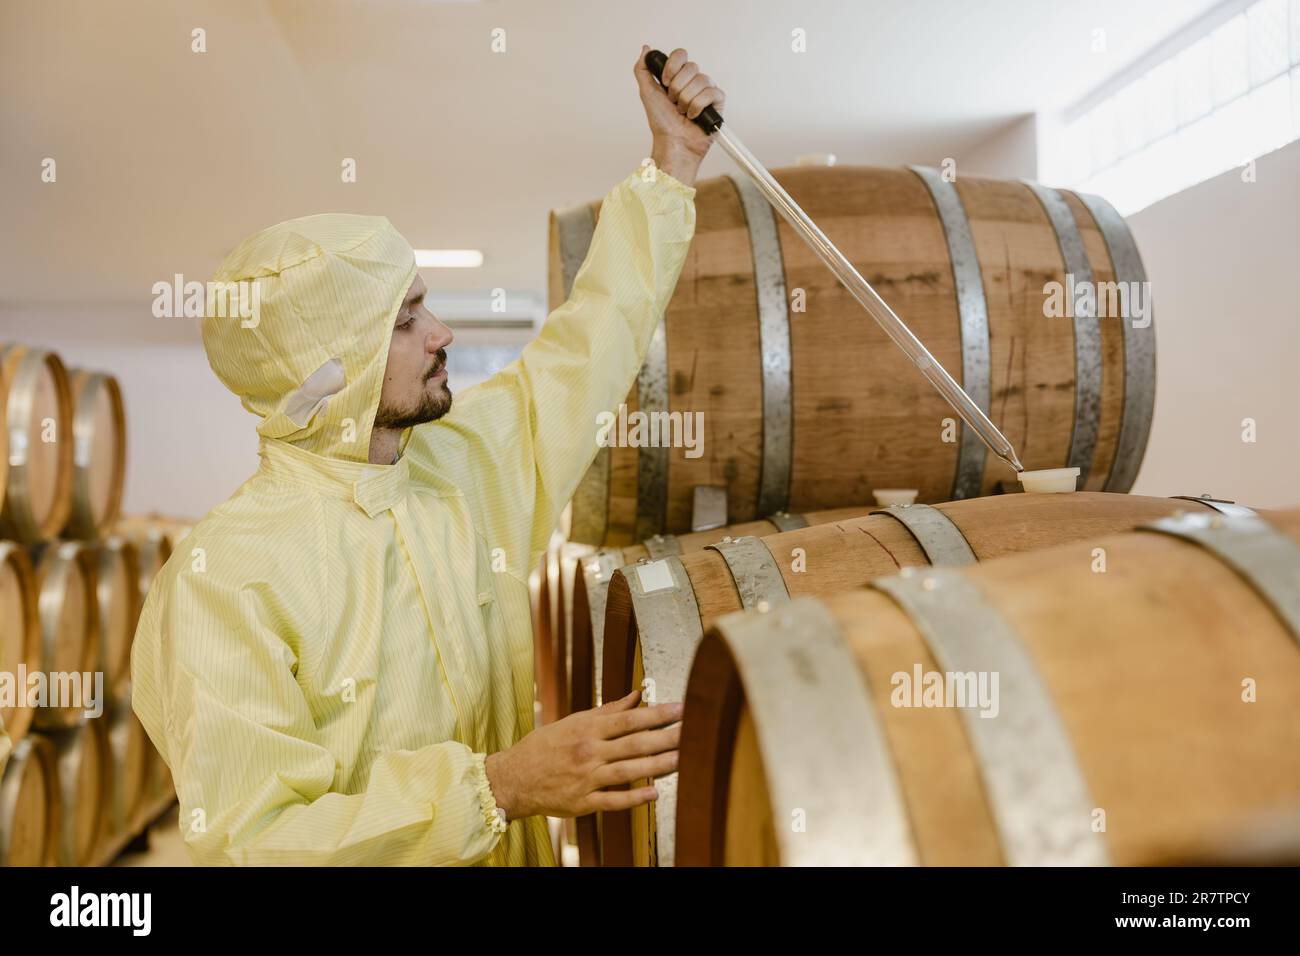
1047	481
894	496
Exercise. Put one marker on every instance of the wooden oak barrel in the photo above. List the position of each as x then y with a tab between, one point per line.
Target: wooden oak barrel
656	613
38	421
1271	839
807	404
548	641
567	679
69	630
173	528
117	605
128	769
586	584
153	546
99	453
569	666
29	818
20	636
152	551
1144	708
83	761
590	577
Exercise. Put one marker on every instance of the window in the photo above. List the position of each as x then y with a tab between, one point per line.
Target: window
1228	93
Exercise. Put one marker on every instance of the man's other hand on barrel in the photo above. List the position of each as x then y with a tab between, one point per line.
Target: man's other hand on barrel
566	768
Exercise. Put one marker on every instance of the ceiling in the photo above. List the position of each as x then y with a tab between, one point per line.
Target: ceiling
166	158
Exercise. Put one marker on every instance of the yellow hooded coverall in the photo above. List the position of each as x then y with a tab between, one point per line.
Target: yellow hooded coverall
329	656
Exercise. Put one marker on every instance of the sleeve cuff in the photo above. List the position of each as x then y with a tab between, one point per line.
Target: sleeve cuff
662	180
493	816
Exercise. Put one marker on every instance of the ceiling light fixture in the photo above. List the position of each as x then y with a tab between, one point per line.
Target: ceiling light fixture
448	258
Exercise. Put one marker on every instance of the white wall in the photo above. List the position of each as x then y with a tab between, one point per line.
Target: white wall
1223	258
1010	153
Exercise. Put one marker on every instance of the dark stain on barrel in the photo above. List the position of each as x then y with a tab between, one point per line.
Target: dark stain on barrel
928	279
834	405
684	382
730	470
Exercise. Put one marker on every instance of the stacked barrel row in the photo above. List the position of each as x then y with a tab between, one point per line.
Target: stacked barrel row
680	631
1146	648
81	777
568	600
1144	711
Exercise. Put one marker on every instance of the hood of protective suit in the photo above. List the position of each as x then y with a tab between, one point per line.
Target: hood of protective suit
307	351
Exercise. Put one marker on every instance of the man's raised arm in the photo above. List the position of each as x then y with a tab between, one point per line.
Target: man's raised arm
519	443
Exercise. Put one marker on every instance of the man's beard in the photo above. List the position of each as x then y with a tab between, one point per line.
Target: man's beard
429	408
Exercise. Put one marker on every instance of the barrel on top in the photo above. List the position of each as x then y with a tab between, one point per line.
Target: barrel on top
1144	708
99	453
807	404
37	410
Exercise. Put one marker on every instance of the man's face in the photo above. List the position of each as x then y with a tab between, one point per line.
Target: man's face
415	381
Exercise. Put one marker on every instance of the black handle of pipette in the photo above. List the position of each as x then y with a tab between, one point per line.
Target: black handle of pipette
709	118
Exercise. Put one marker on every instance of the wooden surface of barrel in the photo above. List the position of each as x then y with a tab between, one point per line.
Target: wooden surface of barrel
591	575
83	759
28	806
152	549
99	453
173	527
542	592
1270	839
69	630
807	404
117	605
652	625
587	582
1140	691
38	421
20	635
128	769
571	557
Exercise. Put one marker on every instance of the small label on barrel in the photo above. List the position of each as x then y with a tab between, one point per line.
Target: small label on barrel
654	576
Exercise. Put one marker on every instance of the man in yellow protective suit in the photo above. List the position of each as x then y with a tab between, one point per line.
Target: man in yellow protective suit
337	662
